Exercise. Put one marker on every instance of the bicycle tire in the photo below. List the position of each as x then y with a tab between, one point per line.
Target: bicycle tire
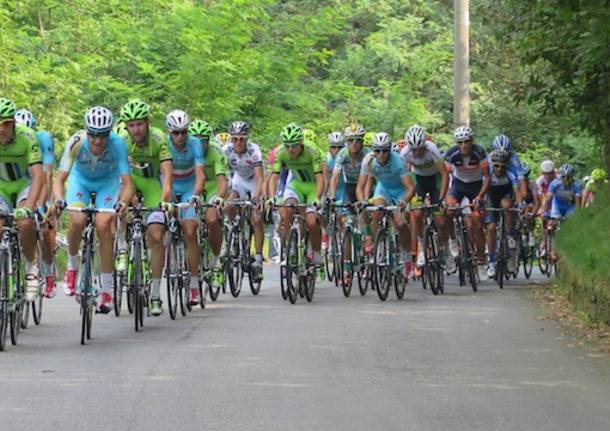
137	286
25	314
171	278
117	287
469	263
431	254
382	267
4	322
37	310
283	271
347	262
234	258
309	280
85	290
4	313
17	314
293	266
400	281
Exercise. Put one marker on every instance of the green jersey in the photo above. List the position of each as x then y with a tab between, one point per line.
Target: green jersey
146	160
17	156
215	162
304	168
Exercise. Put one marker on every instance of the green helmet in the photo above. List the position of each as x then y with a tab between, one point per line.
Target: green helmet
292	134
7	108
310	135
201	128
598	175
135	110
368	139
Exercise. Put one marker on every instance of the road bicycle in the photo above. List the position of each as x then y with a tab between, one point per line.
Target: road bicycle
467	259
434	267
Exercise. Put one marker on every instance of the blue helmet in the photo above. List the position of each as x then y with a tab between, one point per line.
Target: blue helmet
567	171
503	142
526	170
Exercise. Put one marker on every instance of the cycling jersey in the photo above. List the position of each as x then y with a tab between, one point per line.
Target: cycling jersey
593	186
243	165
514	166
347	167
389	177
564	197
47	147
507	179
543	185
17	156
304	168
467	169
147	159
185	160
425	165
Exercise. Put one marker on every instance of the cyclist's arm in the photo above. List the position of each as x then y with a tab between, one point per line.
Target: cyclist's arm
199	181
274	178
128	189
58	184
167	175
368	184
334	183
522	190
442	168
259	177
407	181
320	185
38	183
536	203
223	185
486	181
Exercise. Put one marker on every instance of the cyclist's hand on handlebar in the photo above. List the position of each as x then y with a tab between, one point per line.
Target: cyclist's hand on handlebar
60	205
22	213
361	205
120	207
329	201
476	203
167	206
218	201
195	200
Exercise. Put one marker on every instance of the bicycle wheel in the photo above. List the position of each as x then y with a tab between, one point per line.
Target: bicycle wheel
432	258
293	266
283	270
18	310
25	314
382	267
4	308
234	257
138	315
310	272
37	310
329	263
470	267
400	282
171	278
117	287
85	290
347	262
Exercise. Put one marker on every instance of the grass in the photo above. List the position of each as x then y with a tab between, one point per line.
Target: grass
584	246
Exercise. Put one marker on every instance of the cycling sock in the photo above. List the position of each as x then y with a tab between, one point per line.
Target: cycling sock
28	266
156	285
106	282
73	262
316	256
215	262
194	282
258	257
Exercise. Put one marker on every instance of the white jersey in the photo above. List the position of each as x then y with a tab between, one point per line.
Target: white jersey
426	165
243	165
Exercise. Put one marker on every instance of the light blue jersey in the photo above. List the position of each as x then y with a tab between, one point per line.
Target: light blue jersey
389	177
184	162
47	146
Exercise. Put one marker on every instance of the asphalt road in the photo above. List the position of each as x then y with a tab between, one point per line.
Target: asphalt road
461	361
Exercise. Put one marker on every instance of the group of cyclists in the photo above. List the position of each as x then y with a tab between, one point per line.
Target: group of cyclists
126	160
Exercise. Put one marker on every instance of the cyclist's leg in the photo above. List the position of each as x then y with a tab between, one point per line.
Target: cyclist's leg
400	223
380	197
213	221
188	222
77	194
29	240
476	220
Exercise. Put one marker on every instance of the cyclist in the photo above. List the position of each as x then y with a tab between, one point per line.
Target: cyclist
272	218
305	184
531	202
247	182
469	179
598	179
47	244
216	187
514	164
564	196
547	176
336	142
19	192
394	187
152	175
503	190
348	164
189	183
94	161
428	170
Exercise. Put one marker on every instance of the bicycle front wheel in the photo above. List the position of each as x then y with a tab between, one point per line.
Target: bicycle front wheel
293	266
171	278
138	288
347	262
382	266
235	265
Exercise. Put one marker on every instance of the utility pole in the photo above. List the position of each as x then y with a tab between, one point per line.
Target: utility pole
461	67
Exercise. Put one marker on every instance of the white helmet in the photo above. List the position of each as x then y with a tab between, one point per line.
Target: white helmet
547	167
98	120
463	133
25	117
336	139
177	120
416	137
382	141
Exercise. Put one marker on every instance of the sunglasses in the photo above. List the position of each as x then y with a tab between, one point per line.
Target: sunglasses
464	142
98	134
239	137
289	146
179	132
499	165
381	151
353	141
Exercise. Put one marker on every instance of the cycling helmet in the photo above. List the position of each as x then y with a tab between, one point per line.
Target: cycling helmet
526	170
355	131
310	135
222	138
502	141
382	141
463	133
135	110
201	129
177	120
598	175
7	108
499	156
368	139
416	137
566	170
98	120
292	134
25	117
547	167
239	128
399	145
335	139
